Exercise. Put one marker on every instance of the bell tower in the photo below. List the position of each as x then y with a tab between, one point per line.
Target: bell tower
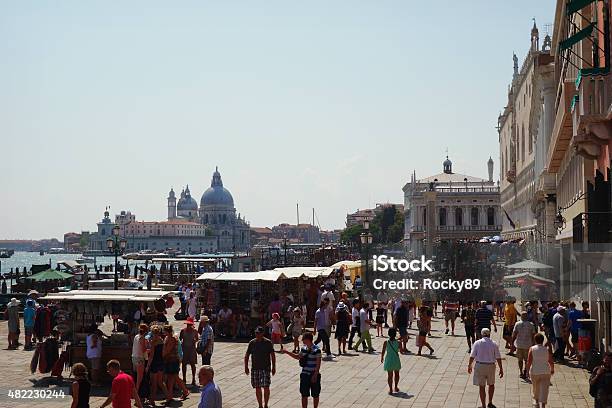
171	204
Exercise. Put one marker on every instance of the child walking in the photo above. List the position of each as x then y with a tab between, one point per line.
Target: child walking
278	331
392	363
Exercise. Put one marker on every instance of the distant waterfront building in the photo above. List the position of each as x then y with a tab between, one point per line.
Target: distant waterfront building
72	241
368	214
301	233
449	206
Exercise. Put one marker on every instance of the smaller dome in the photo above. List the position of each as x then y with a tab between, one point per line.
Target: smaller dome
186	202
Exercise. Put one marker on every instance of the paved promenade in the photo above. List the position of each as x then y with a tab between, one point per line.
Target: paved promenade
355	380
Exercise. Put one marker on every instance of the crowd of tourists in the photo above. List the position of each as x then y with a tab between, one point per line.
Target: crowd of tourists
539	335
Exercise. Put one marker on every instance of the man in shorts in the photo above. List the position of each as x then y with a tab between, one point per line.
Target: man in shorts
485	353
450	309
522	337
310	378
263	365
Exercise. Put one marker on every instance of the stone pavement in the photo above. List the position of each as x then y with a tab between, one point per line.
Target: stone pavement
355	380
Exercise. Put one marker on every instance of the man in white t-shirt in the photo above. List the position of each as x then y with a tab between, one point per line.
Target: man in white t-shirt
364	322
94	353
485	352
355	322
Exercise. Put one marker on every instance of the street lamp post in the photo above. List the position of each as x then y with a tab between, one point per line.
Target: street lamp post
366	241
116	246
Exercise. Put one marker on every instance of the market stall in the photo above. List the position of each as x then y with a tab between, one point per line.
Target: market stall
83	308
237	289
528	286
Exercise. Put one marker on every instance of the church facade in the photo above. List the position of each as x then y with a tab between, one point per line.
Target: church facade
216	212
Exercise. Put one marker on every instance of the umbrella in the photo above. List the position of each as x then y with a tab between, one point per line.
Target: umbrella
50	274
529	264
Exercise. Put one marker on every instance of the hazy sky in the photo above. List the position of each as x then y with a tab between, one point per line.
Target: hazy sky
331	104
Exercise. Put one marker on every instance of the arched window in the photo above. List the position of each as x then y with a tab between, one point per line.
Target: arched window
474	216
224	219
442	220
490	216
458	216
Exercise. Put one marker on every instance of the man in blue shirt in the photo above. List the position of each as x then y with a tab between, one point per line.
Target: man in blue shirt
573	315
211	394
29	313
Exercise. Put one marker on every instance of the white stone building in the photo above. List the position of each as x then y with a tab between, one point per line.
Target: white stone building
449	206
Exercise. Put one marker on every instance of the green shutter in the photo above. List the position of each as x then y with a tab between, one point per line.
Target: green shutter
575	5
576	38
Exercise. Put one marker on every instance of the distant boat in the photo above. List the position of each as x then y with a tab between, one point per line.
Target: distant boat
56	251
6	253
85	260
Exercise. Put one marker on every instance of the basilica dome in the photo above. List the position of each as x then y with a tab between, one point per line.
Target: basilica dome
217	194
186	202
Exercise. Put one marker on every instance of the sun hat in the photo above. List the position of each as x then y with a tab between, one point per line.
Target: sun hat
204	318
275	316
14	302
189	321
33	292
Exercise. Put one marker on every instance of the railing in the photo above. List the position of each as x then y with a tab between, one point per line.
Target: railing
467	189
469	228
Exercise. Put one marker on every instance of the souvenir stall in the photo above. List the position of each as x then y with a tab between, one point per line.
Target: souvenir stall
237	289
527	286
83	308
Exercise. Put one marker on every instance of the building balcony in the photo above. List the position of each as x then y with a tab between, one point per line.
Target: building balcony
562	130
591	113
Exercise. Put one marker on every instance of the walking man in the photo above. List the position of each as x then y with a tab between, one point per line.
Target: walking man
364	321
450	309
355	322
123	389
321	324
484	318
207	340
559	322
485	353
468	318
310	378
211	394
400	322
522	337
263	365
